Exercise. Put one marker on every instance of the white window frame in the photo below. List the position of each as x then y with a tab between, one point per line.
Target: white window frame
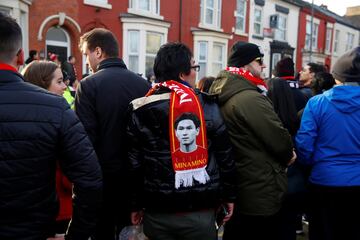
238	15
315	35
280	28
258	23
98	3
222	62
274	56
66	44
212	39
349	41
328	40
336	41
143	26
6	10
216	23
153	12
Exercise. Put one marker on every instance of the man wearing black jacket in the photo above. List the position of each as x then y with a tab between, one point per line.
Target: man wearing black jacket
38	128
101	104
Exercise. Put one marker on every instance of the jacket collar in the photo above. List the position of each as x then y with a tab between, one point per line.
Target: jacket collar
9	74
111	62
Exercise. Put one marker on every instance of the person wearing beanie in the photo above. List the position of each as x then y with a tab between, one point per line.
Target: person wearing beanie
328	141
284	70
262	146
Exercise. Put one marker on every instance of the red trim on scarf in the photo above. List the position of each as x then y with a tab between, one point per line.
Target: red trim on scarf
189	166
7	67
247	75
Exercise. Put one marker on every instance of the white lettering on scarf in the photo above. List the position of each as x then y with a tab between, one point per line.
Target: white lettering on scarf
180	92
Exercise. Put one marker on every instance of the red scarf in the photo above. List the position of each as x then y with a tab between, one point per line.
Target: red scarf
7	67
187	130
260	83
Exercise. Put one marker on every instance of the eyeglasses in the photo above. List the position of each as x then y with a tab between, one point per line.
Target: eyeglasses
259	60
196	68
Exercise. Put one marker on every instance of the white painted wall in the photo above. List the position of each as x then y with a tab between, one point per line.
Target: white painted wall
292	27
342	41
19	10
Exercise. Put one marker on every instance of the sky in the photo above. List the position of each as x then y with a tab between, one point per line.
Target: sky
337	6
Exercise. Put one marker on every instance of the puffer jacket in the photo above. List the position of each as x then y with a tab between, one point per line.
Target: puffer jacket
36	129
262	146
152	174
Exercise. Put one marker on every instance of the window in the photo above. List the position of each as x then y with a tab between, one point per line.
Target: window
133	50
314	35
349	41
280	32
149	6
328	40
202	59
142	49
211	13
153	43
210	54
257	21
218	58
98	3
336	41
240	15
276	57
5	11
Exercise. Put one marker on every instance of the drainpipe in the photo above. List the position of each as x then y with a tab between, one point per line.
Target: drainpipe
180	20
311	33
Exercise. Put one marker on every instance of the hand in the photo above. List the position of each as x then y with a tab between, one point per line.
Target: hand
137	217
292	160
230	210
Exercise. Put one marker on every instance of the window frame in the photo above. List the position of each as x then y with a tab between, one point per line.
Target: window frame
258	23
238	15
278	30
349	44
216	20
98	3
336	41
328	40
154	6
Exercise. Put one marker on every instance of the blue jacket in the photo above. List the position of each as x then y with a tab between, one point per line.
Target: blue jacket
329	137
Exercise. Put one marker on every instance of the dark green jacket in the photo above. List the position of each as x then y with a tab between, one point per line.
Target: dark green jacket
262	146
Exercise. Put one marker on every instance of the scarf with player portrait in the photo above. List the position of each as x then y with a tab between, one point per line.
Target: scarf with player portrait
189	159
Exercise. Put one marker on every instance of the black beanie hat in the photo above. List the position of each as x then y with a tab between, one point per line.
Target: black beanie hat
243	53
347	67
284	67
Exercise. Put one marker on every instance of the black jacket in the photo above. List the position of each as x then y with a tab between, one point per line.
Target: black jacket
36	129
152	175
101	104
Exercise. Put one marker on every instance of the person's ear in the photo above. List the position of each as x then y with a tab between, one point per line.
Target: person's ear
197	131
20	58
182	76
98	52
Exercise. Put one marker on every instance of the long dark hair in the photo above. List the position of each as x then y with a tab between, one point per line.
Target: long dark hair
282	98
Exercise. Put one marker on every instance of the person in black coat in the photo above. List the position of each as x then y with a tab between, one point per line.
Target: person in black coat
186	211
101	104
37	128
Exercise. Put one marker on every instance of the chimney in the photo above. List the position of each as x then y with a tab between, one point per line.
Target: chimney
323	6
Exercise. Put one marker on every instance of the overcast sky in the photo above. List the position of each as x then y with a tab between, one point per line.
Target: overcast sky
337	6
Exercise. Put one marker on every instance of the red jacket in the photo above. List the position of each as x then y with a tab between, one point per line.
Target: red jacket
64	191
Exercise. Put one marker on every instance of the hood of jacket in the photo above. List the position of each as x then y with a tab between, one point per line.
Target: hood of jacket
346	99
228	84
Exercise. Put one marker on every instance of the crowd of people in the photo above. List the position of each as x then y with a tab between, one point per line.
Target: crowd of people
84	158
